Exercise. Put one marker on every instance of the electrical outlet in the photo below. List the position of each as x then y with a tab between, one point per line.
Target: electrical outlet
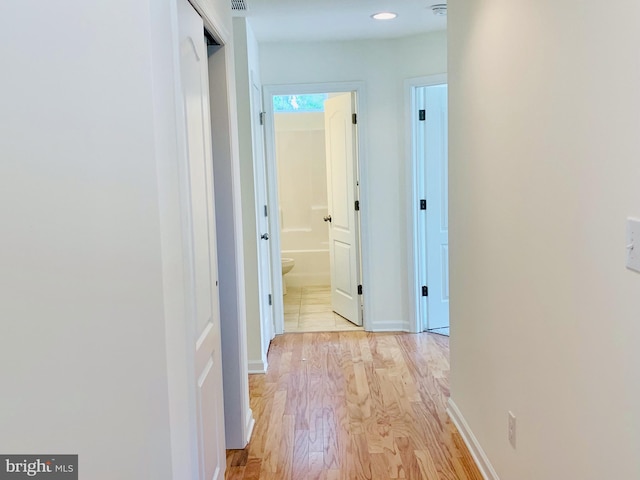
512	429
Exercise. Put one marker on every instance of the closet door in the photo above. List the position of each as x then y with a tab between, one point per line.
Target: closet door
201	266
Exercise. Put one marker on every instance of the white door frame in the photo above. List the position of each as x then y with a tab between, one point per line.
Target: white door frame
413	198
239	419
272	182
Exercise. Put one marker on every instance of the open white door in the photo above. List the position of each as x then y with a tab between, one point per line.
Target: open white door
201	266
342	219
435	180
262	221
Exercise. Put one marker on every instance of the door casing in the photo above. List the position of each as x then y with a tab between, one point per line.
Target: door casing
413	198
272	181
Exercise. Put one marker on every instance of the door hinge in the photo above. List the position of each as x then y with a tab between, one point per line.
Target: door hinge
354	118
425	291
266	211
422	115
270	300
423	204
262	114
357	205
359	289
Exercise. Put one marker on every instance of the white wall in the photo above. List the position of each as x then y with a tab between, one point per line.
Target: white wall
544	169
82	344
88	156
302	195
383	66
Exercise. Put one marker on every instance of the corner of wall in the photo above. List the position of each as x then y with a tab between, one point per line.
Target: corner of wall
472	443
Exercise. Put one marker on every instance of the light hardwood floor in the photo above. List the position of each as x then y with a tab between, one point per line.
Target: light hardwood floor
353	405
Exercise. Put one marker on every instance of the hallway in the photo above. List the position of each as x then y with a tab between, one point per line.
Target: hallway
347	405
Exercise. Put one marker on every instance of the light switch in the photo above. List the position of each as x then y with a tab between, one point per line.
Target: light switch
633	244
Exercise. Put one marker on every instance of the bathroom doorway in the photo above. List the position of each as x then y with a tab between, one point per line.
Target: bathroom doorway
429	150
315	155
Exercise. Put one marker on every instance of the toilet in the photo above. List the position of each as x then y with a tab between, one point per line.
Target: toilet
287	265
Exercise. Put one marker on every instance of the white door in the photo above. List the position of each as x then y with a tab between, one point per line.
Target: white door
437	217
262	211
342	219
202	269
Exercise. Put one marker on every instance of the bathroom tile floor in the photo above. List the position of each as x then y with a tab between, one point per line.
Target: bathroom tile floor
308	309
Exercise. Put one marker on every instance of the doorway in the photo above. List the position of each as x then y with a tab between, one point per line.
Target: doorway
429	147
315	173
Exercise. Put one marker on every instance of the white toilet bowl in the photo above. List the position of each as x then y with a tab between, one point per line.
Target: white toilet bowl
287	265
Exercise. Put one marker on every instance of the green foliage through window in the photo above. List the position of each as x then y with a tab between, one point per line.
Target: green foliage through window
299	103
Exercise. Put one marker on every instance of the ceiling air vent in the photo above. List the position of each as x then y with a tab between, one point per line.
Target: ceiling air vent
439	9
238	5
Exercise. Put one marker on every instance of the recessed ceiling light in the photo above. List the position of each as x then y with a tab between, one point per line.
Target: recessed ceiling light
384	16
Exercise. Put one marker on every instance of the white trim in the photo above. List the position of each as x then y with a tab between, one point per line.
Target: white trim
482	461
399	326
258	366
272	175
249	423
217	29
412	199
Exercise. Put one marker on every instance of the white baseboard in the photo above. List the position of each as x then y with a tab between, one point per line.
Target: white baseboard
257	366
249	424
481	459
388	327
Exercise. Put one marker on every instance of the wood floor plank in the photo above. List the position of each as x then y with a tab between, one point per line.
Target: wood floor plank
316	427
363	395
410	463
301	454
380	467
252	470
343	430
330	439
286	449
365	349
316	466
393	461
235	473
427	466
353	405
274	433
359	462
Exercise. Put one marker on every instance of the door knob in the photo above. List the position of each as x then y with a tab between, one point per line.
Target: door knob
264	236
327	218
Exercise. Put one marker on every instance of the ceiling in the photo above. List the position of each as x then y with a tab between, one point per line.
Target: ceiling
319	20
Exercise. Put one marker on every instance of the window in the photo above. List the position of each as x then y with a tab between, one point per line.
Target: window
299	103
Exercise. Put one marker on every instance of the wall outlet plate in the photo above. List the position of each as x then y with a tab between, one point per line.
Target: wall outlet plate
633	244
